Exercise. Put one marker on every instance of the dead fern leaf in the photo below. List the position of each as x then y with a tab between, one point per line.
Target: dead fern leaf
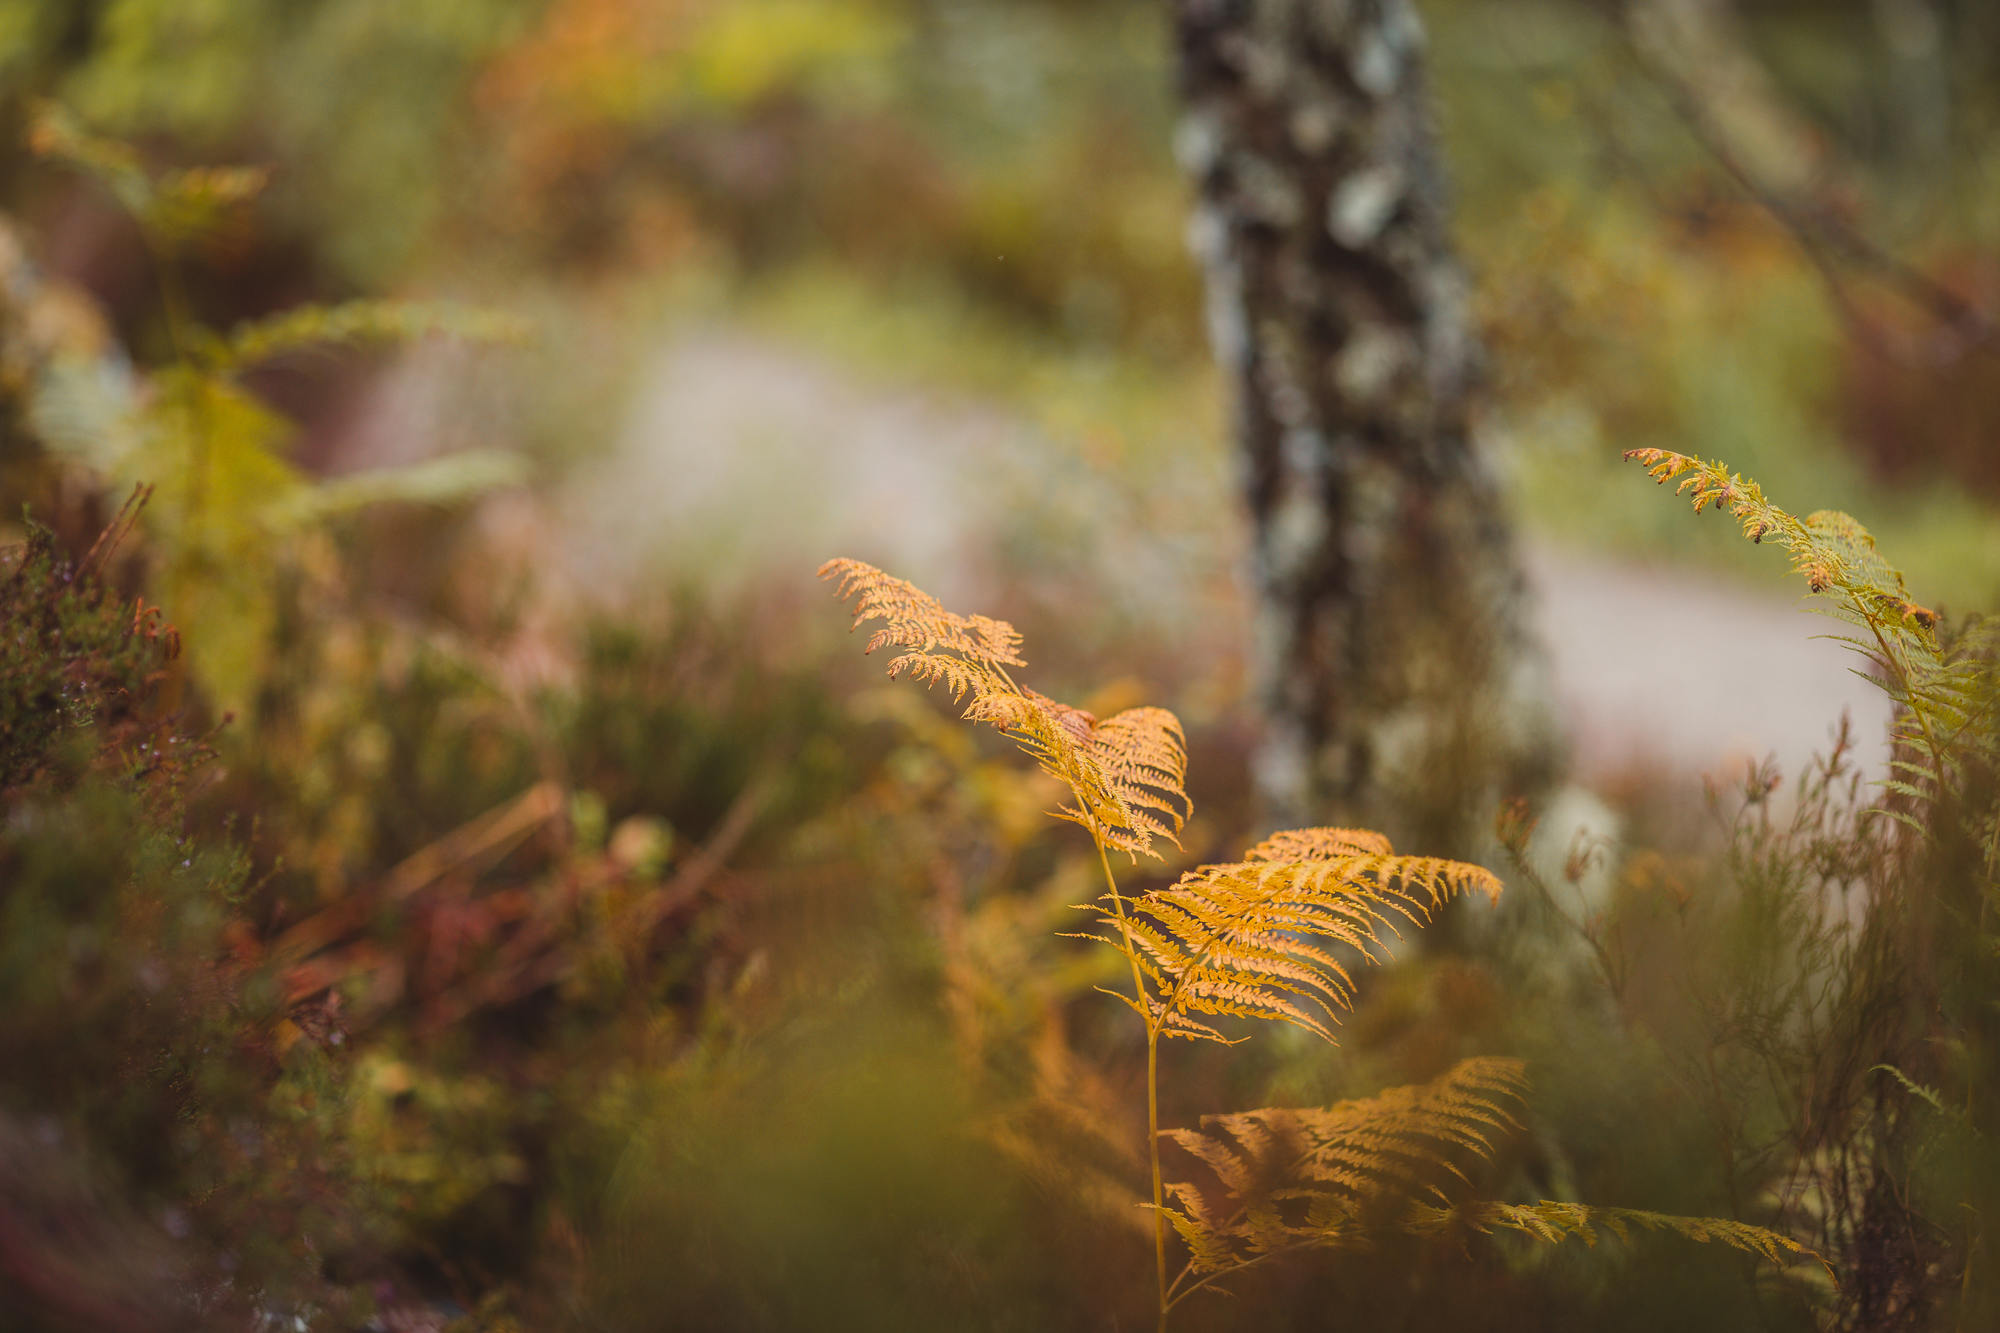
1404	1161
916	620
1142	755
1322	1177
1305	844
1552	1222
1367	1155
1257	938
1271	936
1126	775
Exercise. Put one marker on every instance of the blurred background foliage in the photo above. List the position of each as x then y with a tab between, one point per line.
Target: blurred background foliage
491	910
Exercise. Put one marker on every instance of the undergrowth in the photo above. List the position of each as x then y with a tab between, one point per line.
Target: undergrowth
453	998
1841	1036
1277	937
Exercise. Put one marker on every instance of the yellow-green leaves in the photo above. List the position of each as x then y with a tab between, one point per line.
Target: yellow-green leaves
227	502
173	208
359	324
1945	695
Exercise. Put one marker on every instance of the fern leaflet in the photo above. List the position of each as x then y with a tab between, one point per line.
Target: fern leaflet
1126	775
1336	1177
1943	695
1256	938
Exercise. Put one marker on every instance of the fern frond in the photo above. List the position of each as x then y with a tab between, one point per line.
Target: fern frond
436	481
915	619
1552	1222
1829	549
1326	1176
1126	775
360	323
173	208
56	135
1924	1092
1306	844
1142	755
1402	1161
1206	1236
1943	699
1714	484
1255	938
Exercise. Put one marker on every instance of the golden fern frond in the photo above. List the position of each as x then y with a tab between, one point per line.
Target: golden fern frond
1402	1161
914	619
1255	938
1304	844
1059	737
1552	1222
1126	775
1142	755
1407	1142
1322	1176
1210	1239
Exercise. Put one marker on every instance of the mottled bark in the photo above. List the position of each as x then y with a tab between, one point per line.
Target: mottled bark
1399	680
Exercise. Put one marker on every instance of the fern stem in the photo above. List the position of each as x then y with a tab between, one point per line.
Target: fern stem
1153	1151
174	318
1152	1082
1180	1293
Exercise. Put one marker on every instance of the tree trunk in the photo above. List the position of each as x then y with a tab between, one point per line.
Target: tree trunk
1400	683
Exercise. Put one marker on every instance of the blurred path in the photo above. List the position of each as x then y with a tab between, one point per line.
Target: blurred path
1664	668
745	459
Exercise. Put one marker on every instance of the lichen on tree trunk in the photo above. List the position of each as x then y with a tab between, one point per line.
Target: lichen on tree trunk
1398	678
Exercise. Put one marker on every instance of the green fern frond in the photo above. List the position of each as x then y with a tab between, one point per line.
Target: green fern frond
1923	1092
1255	938
360	323
195	204
1944	697
174	208
1829	549
435	481
56	135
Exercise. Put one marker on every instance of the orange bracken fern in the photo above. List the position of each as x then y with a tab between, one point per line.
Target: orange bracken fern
1274	936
